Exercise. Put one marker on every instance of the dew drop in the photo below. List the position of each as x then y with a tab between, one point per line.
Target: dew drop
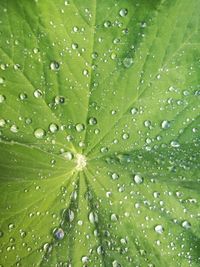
165	124
37	93
123	12
54	65
175	144
92	121
59	100
84	259
159	229
107	24
22	96
14	128
2	98
93	217
47	248
39	133
2	122
138	179
186	225
80	127
59	233
134	111
127	62
1	80
53	128
68	155
125	136
74	46
115	176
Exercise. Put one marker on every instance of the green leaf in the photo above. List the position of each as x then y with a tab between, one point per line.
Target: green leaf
99	133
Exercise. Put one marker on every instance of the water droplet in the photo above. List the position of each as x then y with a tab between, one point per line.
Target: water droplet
107	24
53	128
35	50
2	122
147	123
14	128
93	217
68	155
2	98
59	100
54	65
159	229
47	248
104	149
1	80
138	179
80	127
127	62
39	133
84	259
85	72
113	217
69	215
125	136
165	124
175	144
74	46
22	96
186	225
11	226
59	233
134	111
92	121
115	176
116	264
123	12
37	93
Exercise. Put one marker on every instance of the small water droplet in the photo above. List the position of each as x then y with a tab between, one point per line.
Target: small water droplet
127	62
2	98
37	93
22	96
59	233
68	155
159	229
125	136
54	65
59	100
123	12
93	217
80	127
134	111
92	121
186	225
138	179
2	122
115	176
175	144
84	259
2	80
74	46
47	248
14	128
53	128
107	24
39	133
165	124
